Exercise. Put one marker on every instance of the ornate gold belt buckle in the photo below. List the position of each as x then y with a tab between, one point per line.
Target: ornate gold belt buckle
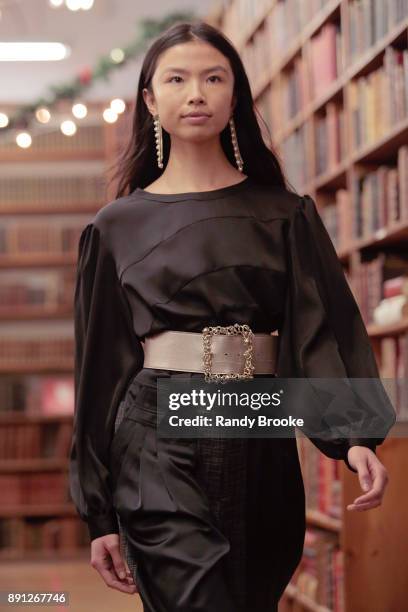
230	330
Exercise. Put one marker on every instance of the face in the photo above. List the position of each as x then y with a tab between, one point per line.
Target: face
192	77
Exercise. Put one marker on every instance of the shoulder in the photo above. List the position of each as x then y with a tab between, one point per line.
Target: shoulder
113	218
114	212
100	233
272	200
307	209
125	228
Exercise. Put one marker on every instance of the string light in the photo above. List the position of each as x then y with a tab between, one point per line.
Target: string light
77	5
109	115
117	55
68	127
73	5
85	78
24	140
3	120
118	106
43	115
79	110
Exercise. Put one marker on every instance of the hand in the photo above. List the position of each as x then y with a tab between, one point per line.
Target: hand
107	559
372	475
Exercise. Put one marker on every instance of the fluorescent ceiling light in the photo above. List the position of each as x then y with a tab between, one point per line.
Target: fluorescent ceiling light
33	51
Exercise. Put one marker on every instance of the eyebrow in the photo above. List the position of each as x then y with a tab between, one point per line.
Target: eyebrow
212	69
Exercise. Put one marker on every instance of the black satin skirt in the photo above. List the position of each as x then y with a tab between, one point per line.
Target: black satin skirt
205	524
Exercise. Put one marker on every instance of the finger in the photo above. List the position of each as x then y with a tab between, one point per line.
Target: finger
364	476
368	497
379	482
133	581
129	575
117	561
111	580
361	507
128	572
377	499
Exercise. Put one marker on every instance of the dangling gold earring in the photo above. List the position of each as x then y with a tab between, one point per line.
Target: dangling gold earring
237	152
158	134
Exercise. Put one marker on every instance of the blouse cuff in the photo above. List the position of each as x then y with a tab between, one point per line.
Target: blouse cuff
99	526
369	443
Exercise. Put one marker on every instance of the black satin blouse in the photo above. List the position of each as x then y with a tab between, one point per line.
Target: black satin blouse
245	253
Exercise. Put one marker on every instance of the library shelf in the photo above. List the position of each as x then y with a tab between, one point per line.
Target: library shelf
318	519
65	181
32	465
391	234
50	155
34	260
387	145
354	70
334	90
12	511
295	46
253	26
14	417
21	208
48	366
306	602
35	312
75	554
394	329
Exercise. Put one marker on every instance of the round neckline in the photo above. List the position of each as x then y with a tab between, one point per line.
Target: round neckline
212	194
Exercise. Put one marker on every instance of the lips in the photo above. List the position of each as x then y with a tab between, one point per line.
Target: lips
197	115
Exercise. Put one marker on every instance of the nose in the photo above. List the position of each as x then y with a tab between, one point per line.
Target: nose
195	95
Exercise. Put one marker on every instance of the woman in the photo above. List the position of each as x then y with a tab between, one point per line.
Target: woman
192	241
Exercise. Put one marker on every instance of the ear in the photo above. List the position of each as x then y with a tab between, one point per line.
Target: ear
149	101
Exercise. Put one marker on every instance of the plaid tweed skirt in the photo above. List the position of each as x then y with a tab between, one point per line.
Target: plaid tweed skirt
205	523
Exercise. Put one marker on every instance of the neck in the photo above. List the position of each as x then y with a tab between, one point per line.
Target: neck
198	166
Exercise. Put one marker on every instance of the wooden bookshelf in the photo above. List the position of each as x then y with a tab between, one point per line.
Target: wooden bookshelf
49	366
35	312
13	417
44	555
15	156
380	331
48	194
277	40
303	601
319	519
31	260
23	208
396	233
32	465
38	510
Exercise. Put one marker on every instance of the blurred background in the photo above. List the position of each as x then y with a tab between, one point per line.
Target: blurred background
330	83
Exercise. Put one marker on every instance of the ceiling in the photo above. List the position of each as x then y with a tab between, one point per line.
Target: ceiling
90	34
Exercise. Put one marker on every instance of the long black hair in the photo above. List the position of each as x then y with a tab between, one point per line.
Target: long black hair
137	165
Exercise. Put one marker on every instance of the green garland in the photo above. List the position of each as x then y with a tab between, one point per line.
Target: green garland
149	29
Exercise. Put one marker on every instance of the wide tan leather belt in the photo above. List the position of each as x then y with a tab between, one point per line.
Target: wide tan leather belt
221	352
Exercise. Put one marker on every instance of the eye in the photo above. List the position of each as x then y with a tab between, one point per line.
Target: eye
214	76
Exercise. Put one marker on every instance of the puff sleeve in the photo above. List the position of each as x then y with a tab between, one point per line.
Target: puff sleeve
323	334
107	354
